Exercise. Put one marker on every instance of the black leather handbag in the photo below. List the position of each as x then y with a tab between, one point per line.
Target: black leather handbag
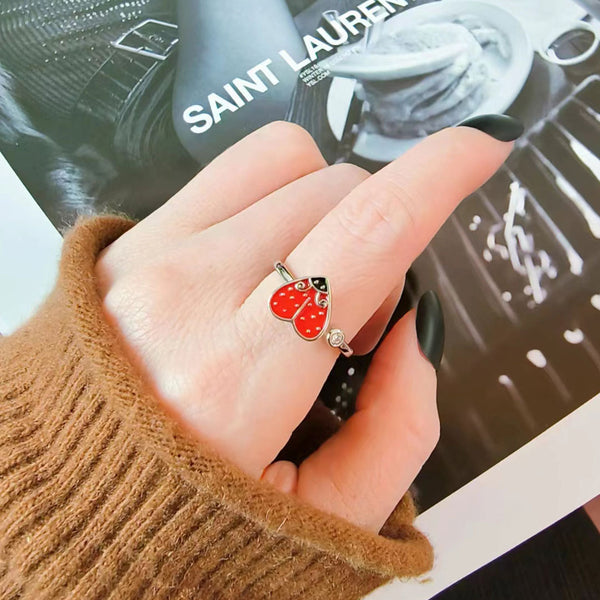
98	68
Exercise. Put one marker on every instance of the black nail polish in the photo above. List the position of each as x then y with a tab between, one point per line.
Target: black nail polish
501	127
430	328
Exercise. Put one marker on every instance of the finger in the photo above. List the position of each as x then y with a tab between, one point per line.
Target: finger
317	427
253	239
367	242
363	470
370	334
262	162
364	246
283	475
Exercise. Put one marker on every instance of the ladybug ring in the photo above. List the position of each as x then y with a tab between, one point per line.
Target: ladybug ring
306	304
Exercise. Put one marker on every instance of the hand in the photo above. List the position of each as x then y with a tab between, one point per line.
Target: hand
188	290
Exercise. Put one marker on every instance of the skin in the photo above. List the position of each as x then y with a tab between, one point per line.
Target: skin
188	288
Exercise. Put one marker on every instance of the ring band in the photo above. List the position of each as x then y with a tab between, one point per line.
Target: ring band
306	303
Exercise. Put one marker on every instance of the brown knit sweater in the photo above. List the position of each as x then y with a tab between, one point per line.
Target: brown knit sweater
103	496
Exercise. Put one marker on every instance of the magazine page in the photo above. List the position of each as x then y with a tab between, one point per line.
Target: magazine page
116	110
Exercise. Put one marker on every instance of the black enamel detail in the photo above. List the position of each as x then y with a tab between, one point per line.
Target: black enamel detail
320	284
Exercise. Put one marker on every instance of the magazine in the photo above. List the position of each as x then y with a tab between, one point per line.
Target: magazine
117	109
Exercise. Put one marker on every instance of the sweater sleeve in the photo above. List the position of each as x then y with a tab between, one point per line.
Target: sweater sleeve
103	496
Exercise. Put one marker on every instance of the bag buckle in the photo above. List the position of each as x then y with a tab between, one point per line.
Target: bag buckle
152	38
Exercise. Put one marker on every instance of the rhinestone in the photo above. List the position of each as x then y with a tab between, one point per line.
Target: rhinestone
336	338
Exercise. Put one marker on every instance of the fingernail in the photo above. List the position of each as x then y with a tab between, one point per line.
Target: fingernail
501	127
430	328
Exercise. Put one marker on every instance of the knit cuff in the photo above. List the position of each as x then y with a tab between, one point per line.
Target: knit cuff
112	496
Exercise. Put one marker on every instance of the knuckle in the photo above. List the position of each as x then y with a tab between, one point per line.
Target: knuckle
379	216
283	128
350	173
289	132
145	300
396	203
131	310
356	223
296	140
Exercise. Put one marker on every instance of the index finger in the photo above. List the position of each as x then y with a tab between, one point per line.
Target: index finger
367	242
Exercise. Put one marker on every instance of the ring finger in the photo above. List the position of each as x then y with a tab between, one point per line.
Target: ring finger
275	225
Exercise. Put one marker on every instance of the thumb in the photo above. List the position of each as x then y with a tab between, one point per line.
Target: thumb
362	471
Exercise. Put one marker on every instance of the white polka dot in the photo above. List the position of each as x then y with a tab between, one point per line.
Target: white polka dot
303	318
321	313
318	329
308	331
313	316
290	288
292	297
274	303
282	294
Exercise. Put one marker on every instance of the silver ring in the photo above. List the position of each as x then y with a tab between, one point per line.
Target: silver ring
306	304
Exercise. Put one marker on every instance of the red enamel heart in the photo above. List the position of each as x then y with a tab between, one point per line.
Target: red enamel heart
304	302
